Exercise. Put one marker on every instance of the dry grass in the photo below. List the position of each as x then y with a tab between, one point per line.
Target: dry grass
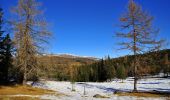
11	92
24	90
18	98
143	94
100	96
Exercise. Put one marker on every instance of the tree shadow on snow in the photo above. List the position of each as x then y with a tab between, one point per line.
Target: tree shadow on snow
105	89
156	89
151	83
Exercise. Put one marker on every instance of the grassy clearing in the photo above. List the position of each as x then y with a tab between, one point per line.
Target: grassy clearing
24	90
18	98
20	92
144	94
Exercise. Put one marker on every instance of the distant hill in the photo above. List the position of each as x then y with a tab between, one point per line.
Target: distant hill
58	66
73	56
62	59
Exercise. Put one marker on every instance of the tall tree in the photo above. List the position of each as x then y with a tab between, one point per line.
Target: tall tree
7	56
5	52
1	44
30	33
120	72
102	74
138	33
110	69
166	68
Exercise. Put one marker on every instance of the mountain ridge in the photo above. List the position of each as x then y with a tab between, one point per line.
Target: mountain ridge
67	55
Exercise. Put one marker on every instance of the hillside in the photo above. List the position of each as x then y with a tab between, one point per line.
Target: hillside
66	59
59	66
155	62
148	64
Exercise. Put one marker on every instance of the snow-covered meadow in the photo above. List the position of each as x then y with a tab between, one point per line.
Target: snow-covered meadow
106	89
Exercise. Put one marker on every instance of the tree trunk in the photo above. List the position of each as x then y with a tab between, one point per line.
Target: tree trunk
25	77
84	89
135	82
135	53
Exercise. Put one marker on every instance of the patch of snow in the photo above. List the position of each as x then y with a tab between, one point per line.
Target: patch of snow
104	88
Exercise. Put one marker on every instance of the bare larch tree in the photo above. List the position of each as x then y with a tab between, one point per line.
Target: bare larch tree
31	32
138	35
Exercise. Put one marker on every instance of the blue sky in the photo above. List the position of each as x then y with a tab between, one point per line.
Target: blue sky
87	27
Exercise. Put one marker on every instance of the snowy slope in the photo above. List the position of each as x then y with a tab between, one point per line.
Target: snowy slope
104	88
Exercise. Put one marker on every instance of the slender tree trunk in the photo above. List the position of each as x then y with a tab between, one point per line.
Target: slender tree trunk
72	87
24	80
135	82
25	76
134	51
135	73
26	39
84	89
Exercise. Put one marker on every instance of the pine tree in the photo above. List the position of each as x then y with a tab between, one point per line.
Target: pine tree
110	69
1	24
138	34
121	73
7	53
1	45
102	74
166	68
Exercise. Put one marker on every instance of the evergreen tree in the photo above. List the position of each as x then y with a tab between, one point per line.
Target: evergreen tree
7	53
121	74
102	74
110	69
1	45
166	68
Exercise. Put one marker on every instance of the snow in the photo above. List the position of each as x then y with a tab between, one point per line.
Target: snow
67	55
104	88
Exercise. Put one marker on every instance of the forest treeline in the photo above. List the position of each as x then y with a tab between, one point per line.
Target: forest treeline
108	69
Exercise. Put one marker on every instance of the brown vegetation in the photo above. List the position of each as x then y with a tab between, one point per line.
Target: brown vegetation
18	98
57	67
23	90
144	94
